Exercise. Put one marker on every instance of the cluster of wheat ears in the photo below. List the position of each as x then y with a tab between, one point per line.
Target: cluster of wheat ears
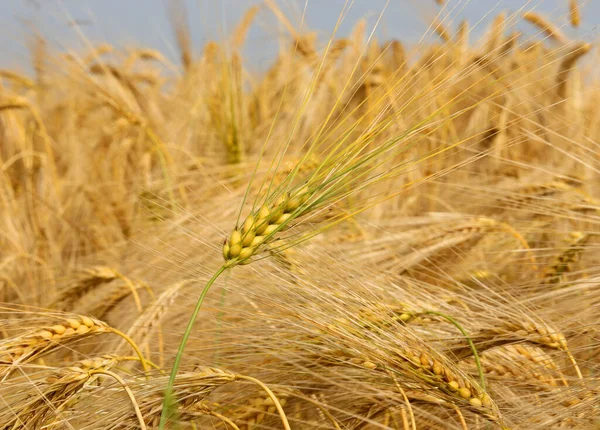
367	235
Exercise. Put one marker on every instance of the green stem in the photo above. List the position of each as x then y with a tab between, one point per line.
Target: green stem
471	344
169	404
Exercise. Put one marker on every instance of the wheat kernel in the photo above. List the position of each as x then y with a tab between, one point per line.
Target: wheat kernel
475	402
405	317
270	229
248	238
235	238
74	324
248	224
246	253
465	393
257	241
234	250
58	329
82	329
283	218
45	334
369	365
87	321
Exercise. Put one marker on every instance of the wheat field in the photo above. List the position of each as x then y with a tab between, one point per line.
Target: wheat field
366	235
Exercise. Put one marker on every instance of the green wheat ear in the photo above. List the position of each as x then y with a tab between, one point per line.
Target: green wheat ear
260	226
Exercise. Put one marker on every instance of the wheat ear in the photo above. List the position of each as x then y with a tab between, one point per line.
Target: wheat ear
257	230
545	26
574	13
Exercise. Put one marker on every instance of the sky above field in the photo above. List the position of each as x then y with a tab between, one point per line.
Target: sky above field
78	24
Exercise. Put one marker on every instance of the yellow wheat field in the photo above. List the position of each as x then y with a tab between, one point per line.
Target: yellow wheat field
368	235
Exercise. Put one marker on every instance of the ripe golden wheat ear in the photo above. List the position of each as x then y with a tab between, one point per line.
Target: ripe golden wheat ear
25	348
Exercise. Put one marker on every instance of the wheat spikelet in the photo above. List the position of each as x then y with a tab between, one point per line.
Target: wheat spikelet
550	30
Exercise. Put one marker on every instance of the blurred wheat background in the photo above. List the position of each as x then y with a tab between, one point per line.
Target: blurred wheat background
429	254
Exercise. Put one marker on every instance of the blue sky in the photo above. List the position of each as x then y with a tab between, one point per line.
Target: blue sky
144	22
